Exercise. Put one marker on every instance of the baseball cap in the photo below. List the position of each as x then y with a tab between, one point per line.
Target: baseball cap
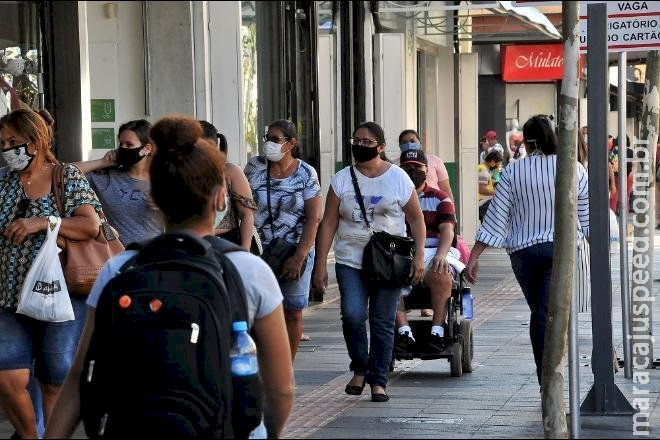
414	156
490	134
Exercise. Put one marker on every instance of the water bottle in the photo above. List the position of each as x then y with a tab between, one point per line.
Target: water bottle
245	380
467	303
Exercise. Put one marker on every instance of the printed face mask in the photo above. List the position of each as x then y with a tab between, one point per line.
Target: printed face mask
220	215
409	146
17	157
418	177
127	157
363	154
273	151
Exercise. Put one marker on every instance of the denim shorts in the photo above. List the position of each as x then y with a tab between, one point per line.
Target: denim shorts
49	346
296	293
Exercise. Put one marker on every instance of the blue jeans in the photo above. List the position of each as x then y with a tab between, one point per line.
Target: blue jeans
533	269
358	295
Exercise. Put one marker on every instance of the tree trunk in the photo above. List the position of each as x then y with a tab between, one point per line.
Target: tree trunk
643	207
561	283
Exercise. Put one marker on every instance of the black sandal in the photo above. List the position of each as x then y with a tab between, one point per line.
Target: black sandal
379	397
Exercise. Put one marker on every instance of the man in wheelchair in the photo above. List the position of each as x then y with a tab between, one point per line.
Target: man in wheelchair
440	255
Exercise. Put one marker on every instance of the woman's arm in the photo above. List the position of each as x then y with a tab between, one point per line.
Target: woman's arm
66	414
326	233
415	218
108	160
240	185
276	368
473	265
292	267
82	225
444	186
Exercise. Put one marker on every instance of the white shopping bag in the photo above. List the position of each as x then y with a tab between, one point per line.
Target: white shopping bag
44	295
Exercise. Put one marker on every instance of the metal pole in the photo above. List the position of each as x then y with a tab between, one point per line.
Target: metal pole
574	355
623	219
604	398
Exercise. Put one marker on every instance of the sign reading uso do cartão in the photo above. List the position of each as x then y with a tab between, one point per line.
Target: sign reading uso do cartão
630	25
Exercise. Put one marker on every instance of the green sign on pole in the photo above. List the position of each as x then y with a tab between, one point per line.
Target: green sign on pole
103	110
103	138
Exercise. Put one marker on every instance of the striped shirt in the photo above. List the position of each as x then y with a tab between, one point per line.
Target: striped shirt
437	208
522	212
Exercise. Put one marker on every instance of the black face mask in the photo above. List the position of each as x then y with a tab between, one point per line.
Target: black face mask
127	157
418	177
364	154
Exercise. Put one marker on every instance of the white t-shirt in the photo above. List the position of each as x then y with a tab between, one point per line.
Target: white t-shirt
384	197
262	291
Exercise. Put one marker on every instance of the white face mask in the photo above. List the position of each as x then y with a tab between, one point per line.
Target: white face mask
18	158
273	151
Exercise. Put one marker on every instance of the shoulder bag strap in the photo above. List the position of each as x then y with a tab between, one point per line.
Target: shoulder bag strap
57	187
270	212
358	195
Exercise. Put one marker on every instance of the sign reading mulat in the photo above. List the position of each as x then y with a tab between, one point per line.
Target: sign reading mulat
533	62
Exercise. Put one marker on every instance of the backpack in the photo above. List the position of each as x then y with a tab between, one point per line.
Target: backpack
158	359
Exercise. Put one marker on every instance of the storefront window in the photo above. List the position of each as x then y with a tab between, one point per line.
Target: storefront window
21	65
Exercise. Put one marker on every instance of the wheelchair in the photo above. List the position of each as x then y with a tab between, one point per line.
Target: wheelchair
459	332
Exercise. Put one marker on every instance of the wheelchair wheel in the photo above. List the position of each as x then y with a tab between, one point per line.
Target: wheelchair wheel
456	362
466	335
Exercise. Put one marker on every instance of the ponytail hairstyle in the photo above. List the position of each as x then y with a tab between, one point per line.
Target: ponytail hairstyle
36	127
540	136
186	171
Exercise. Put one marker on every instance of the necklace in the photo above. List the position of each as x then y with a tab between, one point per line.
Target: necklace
41	172
281	173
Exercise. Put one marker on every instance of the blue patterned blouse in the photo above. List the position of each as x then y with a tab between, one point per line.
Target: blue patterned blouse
15	260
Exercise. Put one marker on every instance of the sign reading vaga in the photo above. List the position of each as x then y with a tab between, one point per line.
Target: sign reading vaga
630	25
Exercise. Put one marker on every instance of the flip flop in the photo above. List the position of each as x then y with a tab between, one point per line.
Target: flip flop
304	337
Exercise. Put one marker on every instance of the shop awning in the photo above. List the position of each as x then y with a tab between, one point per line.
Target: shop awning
531	16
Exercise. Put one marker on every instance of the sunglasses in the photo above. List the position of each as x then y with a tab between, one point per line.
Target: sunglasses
275	139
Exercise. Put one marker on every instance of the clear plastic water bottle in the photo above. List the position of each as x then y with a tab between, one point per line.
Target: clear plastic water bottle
245	379
467	303
243	351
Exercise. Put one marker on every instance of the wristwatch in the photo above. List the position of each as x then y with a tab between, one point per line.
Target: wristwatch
52	221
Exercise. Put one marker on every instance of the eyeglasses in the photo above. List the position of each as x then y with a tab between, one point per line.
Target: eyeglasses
275	139
363	141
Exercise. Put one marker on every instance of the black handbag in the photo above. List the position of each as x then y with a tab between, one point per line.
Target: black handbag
278	250
387	259
234	235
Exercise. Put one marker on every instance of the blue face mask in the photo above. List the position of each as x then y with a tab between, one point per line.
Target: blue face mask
220	215
410	146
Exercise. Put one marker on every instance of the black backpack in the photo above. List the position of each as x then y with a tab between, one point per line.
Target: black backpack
158	360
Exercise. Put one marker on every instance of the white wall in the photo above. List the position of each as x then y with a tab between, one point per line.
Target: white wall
116	62
534	99
469	131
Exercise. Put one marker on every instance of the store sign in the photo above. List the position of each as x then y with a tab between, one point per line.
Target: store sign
630	25
103	138
533	62
103	110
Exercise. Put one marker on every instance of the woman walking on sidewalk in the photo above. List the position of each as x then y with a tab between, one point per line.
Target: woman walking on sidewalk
388	194
521	219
